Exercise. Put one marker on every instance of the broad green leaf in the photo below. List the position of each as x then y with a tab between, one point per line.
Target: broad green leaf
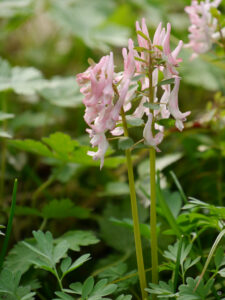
78	238
134	122
115	189
94	30
125	143
63	208
63	92
32	146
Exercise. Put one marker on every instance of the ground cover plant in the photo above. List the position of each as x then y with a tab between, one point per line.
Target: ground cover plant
112	149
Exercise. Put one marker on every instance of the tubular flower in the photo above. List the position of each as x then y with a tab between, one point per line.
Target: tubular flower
203	28
173	106
148	136
101	113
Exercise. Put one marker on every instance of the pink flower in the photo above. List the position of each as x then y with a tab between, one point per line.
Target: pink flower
129	61
102	143
173	106
170	57
148	136
203	28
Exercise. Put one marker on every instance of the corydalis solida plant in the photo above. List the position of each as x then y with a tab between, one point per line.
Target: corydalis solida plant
106	91
205	29
109	98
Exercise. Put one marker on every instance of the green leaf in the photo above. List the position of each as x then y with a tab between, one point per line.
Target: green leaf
128	223
78	238
188	292
167	81
71	152
65	264
94	31
24	81
64	208
172	251
140	59
19	258
134	122
5	116
153	106
162	289
87	287
76	287
12	8
219	258
78	262
115	189
63	92
32	146
125	143
166	122
48	255
63	296
124	297
10	287
215	13
143	35
5	134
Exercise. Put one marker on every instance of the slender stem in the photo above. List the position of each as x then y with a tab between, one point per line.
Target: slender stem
137	235
41	188
153	217
58	279
9	226
4	149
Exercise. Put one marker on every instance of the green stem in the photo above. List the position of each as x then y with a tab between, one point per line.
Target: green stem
137	235
58	279
153	217
3	152
9	226
41	188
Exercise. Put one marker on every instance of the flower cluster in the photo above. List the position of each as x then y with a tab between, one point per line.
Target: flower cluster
204	27
107	92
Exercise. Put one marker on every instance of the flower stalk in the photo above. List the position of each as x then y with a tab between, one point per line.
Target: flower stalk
153	216
134	209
